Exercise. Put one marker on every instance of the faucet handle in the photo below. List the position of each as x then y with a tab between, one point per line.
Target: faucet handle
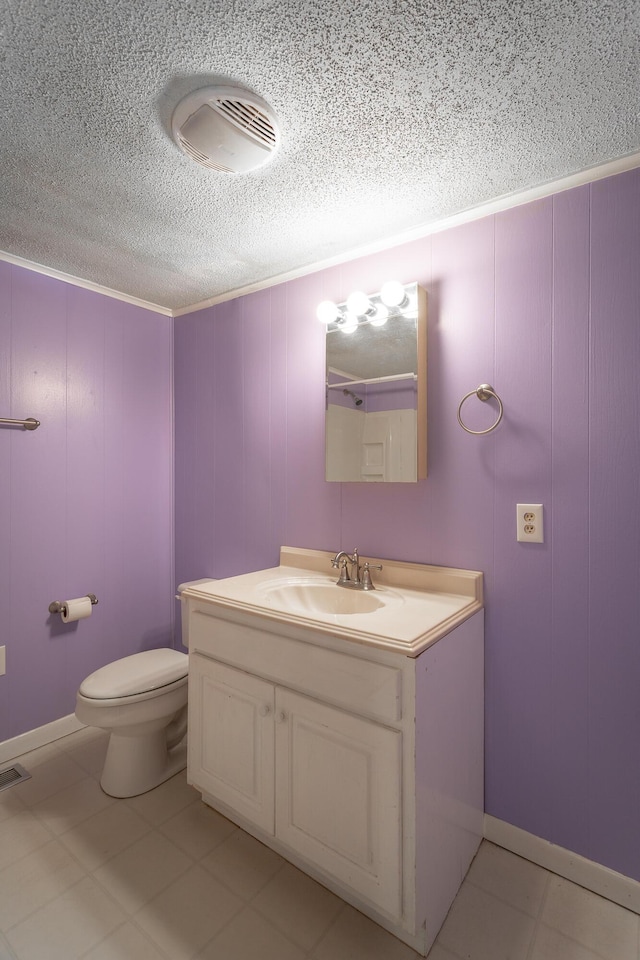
367	583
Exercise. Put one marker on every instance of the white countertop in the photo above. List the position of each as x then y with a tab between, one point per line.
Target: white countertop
418	603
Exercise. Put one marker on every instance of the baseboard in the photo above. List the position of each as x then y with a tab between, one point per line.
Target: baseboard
587	873
10	749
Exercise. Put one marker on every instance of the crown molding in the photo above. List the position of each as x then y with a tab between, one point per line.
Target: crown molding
498	205
85	284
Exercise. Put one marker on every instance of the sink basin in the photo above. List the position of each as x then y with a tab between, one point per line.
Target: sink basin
322	597
412	606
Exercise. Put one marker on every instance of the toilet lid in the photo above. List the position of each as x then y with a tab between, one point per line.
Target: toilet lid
139	673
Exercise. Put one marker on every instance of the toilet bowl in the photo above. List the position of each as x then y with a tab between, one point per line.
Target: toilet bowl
142	701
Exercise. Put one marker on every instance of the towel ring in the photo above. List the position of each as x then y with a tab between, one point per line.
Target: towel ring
483	392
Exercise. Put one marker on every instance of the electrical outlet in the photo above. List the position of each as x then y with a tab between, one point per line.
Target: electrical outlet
530	528
3	662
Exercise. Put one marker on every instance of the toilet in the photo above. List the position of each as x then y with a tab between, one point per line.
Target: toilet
142	701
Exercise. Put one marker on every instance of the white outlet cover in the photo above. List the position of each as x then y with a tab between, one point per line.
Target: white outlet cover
530	522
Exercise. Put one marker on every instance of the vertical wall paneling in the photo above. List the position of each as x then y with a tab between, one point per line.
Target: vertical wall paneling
614	523
518	658
278	422
194	445
115	479
257	427
463	343
83	537
38	495
228	487
313	505
5	476
567	525
146	452
86	496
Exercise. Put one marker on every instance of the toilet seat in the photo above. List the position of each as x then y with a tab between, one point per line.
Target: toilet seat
139	676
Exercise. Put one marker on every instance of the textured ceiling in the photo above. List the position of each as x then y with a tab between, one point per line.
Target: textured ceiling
393	114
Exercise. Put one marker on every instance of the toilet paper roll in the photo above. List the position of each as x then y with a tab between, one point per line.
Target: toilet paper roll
76	609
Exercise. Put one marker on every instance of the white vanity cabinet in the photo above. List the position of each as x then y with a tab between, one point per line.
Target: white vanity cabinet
362	766
320	779
338	789
232	744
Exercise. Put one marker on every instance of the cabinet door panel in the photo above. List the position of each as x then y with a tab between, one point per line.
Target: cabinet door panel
231	738
338	795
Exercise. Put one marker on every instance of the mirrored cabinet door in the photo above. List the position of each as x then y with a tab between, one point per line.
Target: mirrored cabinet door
376	390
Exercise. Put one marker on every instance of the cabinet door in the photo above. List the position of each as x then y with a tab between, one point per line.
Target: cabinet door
231	738
338	795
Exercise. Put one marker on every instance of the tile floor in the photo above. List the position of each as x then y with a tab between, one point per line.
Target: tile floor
163	877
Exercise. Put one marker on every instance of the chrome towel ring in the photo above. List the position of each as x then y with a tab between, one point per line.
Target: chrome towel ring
483	392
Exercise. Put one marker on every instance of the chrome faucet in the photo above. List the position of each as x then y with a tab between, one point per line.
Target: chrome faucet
356	582
341	560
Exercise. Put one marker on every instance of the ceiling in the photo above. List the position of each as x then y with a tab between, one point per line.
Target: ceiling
394	114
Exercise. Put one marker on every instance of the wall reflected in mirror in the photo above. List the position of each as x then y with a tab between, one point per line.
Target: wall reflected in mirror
376	360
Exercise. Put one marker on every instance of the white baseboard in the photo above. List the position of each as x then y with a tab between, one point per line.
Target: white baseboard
10	749
587	873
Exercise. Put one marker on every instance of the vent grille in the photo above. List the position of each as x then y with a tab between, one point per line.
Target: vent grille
12	775
226	129
250	119
201	157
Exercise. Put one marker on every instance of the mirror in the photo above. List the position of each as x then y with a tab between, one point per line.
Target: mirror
376	389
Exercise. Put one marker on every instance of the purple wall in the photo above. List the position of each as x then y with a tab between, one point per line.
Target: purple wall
85	500
543	302
397	395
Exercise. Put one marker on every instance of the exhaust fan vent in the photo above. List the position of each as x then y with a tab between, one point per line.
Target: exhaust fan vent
226	129
249	118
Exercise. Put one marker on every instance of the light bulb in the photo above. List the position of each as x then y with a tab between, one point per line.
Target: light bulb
358	303
380	318
350	324
393	294
327	311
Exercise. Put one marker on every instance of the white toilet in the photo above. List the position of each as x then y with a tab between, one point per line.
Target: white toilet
142	701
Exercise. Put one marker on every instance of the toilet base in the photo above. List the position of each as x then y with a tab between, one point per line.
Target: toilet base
135	765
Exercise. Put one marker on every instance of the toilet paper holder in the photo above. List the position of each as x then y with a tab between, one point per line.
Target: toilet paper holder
57	606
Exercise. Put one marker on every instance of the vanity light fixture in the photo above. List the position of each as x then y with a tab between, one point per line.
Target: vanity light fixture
394	299
359	304
328	312
393	294
380	317
349	323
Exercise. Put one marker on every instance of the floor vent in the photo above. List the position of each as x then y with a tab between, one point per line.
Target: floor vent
14	774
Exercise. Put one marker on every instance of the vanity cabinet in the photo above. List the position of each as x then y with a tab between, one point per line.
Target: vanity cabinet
325	782
362	766
232	742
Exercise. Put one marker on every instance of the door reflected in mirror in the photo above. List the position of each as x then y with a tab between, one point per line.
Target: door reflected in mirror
376	386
